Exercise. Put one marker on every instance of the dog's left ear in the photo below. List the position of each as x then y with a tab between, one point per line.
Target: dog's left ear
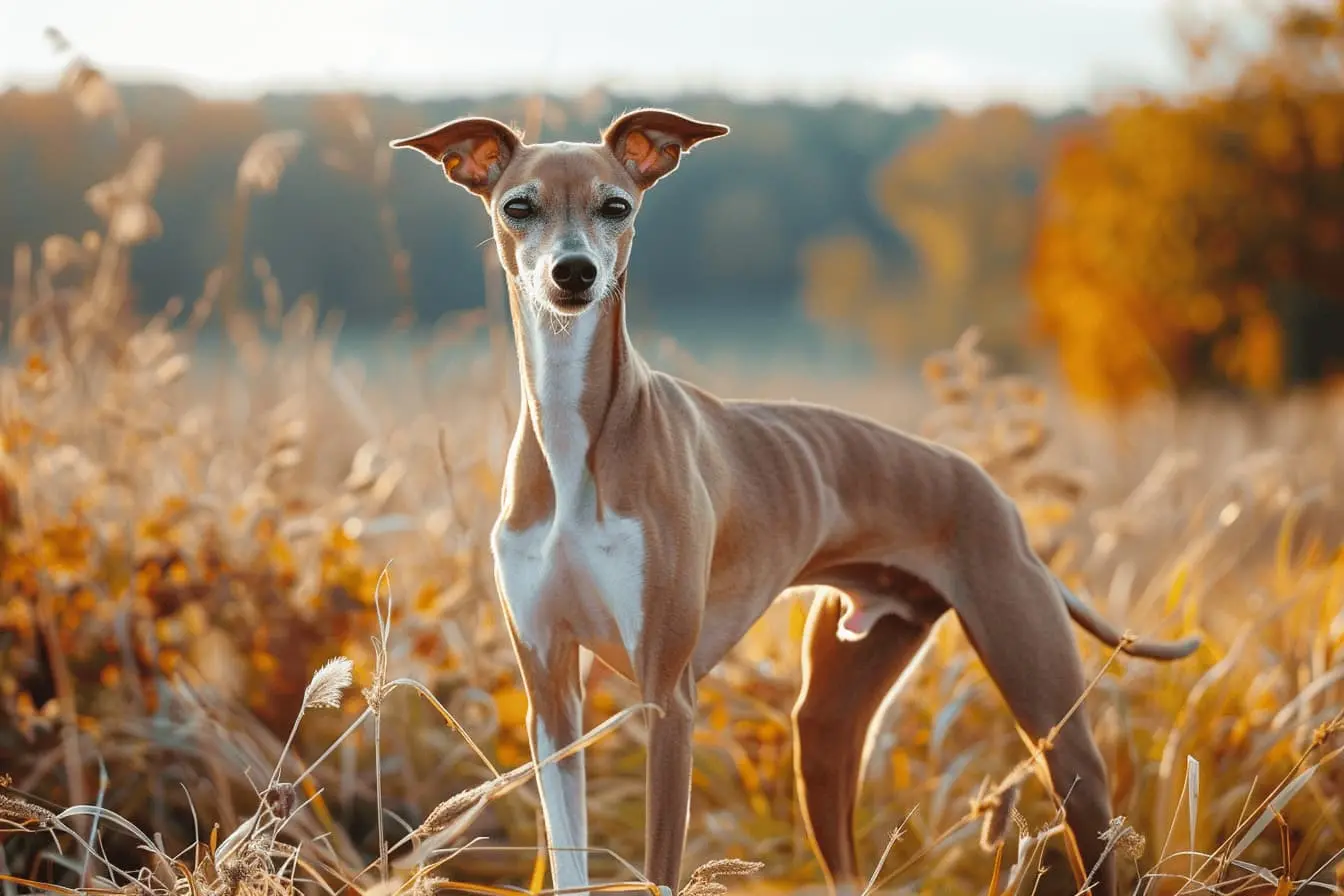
473	151
649	142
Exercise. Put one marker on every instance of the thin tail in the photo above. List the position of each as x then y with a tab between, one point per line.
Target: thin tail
1093	623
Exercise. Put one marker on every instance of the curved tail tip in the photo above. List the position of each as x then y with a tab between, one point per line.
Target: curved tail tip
1165	650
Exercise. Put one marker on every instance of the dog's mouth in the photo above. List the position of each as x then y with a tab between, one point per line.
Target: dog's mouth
571	302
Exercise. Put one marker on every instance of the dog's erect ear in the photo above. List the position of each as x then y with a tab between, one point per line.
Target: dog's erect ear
473	151
649	142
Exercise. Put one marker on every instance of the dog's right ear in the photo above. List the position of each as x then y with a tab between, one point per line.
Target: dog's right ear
473	151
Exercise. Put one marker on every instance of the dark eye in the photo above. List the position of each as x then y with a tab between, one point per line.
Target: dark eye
518	209
614	208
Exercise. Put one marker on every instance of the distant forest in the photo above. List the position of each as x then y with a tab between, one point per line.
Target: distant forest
1154	243
728	233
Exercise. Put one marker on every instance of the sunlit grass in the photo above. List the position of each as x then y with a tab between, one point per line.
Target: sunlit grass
186	539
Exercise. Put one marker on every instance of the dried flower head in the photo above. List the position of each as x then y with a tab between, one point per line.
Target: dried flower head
265	160
123	200
704	880
93	94
1126	841
232	874
60	252
444	813
327	684
364	467
24	812
144	169
172	370
133	223
281	799
104	197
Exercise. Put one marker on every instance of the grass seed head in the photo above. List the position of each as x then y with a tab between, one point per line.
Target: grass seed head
25	813
328	684
704	880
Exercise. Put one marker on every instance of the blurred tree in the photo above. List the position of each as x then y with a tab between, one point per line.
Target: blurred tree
963	194
1195	243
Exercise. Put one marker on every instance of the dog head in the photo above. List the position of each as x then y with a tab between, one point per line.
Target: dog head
563	213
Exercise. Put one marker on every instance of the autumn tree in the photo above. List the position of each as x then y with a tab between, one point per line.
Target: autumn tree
1195	242
963	195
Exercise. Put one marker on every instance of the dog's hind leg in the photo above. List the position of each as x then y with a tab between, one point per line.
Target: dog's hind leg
844	685
1012	615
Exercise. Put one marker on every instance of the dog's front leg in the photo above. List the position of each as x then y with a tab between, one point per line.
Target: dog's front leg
555	720
668	776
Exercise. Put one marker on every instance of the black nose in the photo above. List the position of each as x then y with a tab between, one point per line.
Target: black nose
574	273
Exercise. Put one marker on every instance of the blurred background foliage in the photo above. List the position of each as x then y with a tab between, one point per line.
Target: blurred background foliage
211	445
1181	243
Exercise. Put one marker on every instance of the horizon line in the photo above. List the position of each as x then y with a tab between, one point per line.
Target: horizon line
877	96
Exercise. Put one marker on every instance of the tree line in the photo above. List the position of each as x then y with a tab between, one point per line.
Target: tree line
1184	243
727	231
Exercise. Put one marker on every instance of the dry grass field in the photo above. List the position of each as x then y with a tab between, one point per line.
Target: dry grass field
249	641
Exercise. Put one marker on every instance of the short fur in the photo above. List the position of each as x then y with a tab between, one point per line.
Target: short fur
650	523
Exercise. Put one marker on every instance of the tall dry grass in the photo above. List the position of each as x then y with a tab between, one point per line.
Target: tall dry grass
186	534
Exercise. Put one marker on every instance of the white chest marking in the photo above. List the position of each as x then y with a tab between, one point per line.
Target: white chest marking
570	567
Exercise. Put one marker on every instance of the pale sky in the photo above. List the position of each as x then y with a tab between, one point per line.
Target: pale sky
1044	52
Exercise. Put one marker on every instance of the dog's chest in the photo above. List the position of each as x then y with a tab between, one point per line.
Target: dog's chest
571	574
584	577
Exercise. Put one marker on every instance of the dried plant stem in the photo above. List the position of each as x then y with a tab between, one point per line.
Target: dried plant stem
447	717
231	290
334	745
65	694
379	691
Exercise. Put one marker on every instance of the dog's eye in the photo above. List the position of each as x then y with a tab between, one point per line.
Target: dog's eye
614	208
518	209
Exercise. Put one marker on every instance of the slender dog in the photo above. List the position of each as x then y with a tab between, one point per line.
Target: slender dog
649	523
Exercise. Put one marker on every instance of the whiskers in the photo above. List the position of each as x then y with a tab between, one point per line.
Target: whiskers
616	292
561	324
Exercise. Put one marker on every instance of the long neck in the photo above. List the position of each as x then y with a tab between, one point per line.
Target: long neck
579	375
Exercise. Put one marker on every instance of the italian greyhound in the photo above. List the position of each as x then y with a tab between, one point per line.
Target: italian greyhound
649	523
